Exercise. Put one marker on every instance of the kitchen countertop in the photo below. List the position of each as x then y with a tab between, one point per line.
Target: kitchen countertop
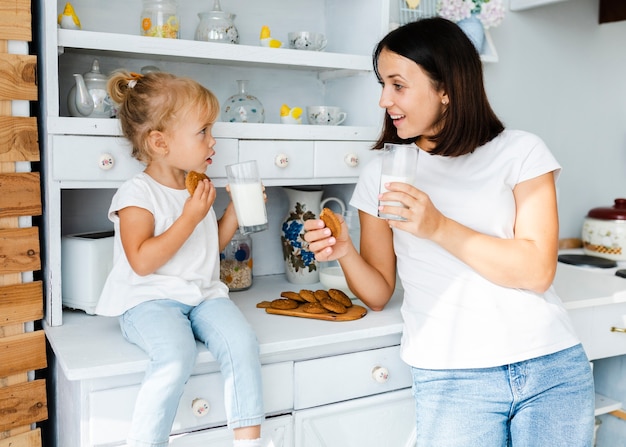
91	347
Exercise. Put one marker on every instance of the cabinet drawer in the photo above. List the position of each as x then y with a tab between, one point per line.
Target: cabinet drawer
593	327
279	159
110	411
342	158
343	377
82	158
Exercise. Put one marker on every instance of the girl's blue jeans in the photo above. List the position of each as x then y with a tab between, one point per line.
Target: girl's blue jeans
167	330
543	402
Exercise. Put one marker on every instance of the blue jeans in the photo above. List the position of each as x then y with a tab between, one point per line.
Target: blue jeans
167	331
543	402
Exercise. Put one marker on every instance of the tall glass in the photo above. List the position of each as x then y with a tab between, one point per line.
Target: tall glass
246	191
398	165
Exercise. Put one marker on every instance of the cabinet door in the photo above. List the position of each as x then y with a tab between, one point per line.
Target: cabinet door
383	420
275	432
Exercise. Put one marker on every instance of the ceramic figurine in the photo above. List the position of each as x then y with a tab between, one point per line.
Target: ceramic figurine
68	19
290	115
266	38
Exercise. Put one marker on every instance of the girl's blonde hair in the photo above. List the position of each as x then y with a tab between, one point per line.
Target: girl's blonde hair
153	101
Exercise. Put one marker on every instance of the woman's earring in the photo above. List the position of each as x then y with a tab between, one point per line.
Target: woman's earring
444	102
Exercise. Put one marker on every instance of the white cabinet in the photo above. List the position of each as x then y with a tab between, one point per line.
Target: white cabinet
382	420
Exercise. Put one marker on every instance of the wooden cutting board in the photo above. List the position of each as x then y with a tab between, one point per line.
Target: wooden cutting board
353	313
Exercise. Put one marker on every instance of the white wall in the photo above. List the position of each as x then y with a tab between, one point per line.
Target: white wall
562	76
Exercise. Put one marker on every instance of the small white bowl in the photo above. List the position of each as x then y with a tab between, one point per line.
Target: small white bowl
332	277
305	40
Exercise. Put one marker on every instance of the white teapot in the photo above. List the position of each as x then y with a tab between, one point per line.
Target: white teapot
88	96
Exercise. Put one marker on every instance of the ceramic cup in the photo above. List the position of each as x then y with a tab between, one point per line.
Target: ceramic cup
325	115
398	165
246	191
305	40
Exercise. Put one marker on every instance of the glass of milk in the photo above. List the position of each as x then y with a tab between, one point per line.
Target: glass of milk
246	191
399	162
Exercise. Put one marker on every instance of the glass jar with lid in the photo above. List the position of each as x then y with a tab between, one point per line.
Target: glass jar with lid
236	263
159	18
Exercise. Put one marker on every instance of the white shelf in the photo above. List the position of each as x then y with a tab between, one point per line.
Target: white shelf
241	131
605	405
99	43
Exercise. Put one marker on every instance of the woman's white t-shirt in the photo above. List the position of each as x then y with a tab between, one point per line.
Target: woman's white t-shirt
191	276
453	317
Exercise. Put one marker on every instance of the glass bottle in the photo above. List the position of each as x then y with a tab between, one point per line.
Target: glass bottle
217	26
243	107
236	263
159	18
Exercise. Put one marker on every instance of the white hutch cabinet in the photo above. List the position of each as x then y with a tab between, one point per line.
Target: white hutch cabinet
320	389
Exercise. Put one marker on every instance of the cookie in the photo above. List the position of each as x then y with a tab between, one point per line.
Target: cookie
333	306
264	304
293	296
331	221
313	308
284	304
321	294
308	295
340	296
192	179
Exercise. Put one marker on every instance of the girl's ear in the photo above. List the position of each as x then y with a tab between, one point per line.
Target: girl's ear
157	143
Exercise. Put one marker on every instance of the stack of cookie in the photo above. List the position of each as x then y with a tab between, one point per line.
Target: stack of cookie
313	302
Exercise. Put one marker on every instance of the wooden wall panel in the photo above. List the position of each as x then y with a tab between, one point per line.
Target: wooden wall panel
21	194
22	352
23	401
15	20
18	139
23	404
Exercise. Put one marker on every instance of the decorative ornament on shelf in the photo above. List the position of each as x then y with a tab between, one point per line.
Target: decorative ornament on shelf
267	40
290	115
68	18
473	16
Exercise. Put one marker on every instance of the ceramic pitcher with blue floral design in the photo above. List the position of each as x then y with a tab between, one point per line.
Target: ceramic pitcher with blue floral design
304	204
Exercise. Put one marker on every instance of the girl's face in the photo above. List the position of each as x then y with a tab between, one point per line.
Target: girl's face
409	97
190	141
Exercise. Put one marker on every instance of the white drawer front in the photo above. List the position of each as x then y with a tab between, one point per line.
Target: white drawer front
110	411
342	158
296	158
343	377
80	158
593	326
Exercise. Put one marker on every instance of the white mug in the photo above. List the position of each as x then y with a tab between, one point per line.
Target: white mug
325	115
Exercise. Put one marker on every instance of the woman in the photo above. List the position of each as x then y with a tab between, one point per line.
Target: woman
494	357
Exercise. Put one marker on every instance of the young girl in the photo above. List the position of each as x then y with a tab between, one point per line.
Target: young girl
494	357
165	283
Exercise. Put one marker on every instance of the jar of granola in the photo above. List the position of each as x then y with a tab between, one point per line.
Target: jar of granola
236	263
159	18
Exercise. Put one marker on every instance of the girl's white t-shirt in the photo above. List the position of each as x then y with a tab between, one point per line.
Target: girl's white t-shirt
191	276
453	317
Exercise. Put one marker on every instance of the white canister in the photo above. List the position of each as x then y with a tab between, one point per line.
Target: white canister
604	231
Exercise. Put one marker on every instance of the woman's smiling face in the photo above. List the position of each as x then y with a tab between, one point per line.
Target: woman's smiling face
410	97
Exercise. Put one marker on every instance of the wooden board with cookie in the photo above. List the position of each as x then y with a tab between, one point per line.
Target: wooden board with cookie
330	305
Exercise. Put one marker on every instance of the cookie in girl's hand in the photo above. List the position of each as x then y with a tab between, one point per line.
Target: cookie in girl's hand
331	221
192	180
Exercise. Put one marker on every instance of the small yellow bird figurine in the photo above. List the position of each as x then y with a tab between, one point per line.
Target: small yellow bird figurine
290	115
266	38
68	19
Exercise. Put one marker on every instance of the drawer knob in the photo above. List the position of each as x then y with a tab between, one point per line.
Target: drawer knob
106	162
380	374
200	407
351	160
618	329
281	160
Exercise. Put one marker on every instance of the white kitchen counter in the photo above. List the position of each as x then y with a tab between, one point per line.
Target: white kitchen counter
89	347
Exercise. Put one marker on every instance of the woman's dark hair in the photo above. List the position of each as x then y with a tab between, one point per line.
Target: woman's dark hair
451	61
